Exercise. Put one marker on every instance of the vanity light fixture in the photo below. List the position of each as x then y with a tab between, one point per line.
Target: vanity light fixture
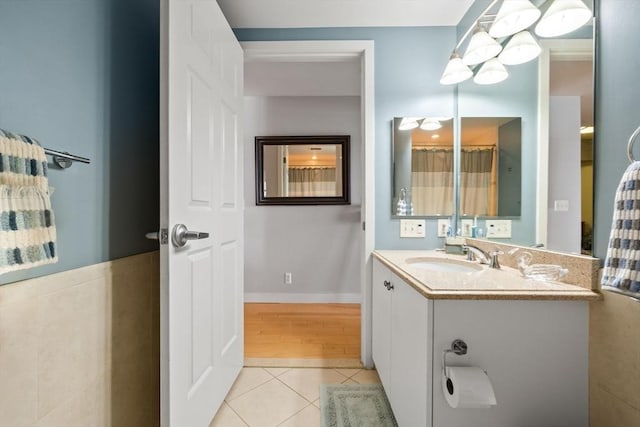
456	71
491	72
522	48
563	17
513	17
430	124
408	123
482	47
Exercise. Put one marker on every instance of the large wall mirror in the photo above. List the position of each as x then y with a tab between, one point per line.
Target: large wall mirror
302	170
553	96
545	185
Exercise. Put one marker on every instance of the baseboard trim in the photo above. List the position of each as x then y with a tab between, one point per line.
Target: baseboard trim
302	298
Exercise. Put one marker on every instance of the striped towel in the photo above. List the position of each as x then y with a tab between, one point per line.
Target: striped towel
27	230
622	265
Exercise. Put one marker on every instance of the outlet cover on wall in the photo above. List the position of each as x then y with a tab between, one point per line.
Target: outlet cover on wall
498	228
466	227
412	228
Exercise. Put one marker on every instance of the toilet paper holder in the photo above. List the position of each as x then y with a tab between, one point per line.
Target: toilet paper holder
458	347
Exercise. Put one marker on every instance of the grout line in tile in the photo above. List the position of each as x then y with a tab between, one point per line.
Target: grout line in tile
292	389
239	416
310	404
251	389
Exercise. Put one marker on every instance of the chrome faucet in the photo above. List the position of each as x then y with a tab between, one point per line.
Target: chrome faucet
489	258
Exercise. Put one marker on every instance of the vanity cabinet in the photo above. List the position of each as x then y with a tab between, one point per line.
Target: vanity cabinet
533	347
401	336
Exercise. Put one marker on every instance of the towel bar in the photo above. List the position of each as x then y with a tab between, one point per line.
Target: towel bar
65	160
634	135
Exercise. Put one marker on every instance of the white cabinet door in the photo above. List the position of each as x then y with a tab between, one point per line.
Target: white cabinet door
411	334
401	334
381	322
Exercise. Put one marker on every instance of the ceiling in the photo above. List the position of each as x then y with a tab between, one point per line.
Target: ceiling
332	78
342	13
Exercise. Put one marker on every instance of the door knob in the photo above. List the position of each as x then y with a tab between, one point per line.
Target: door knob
181	235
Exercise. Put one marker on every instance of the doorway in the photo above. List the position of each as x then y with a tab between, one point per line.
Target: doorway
352	228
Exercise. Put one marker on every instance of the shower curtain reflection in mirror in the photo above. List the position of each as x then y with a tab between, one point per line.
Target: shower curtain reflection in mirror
478	181
432	181
313	182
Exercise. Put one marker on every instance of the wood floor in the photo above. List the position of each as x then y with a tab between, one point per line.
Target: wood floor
302	331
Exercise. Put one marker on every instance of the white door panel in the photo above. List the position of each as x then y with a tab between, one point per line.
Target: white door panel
202	339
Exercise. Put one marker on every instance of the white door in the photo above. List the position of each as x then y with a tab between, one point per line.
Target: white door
201	184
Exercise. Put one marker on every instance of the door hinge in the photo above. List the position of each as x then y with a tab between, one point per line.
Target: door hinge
364	226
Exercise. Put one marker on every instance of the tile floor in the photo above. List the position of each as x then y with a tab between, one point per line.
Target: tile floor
287	397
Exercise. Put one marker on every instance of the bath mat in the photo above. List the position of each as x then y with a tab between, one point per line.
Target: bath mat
355	405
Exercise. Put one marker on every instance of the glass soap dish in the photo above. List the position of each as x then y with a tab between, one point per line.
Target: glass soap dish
544	272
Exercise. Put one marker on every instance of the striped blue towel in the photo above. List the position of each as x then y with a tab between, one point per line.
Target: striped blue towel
622	265
27	229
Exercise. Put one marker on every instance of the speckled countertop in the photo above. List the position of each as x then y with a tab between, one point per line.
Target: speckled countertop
487	283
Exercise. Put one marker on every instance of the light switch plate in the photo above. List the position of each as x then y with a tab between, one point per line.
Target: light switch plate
412	228
498	228
443	226
560	205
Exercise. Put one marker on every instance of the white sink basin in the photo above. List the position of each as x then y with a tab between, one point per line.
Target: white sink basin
443	265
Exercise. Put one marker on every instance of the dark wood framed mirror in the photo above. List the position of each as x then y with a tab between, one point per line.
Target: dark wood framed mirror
302	170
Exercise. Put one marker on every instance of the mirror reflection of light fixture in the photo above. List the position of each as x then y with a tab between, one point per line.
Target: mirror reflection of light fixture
430	124
481	47
520	49
563	17
456	71
491	72
408	123
435	136
513	17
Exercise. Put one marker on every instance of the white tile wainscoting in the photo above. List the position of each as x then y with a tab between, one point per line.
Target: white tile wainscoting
81	347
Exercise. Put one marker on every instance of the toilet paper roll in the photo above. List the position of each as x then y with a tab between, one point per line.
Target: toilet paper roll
467	387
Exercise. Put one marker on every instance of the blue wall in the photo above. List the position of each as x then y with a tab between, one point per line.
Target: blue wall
82	76
408	66
617	106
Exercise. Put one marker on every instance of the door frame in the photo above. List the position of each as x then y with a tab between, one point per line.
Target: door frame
331	51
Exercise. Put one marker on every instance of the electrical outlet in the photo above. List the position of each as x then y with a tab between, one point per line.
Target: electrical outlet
443	226
412	228
287	278
466	227
498	228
